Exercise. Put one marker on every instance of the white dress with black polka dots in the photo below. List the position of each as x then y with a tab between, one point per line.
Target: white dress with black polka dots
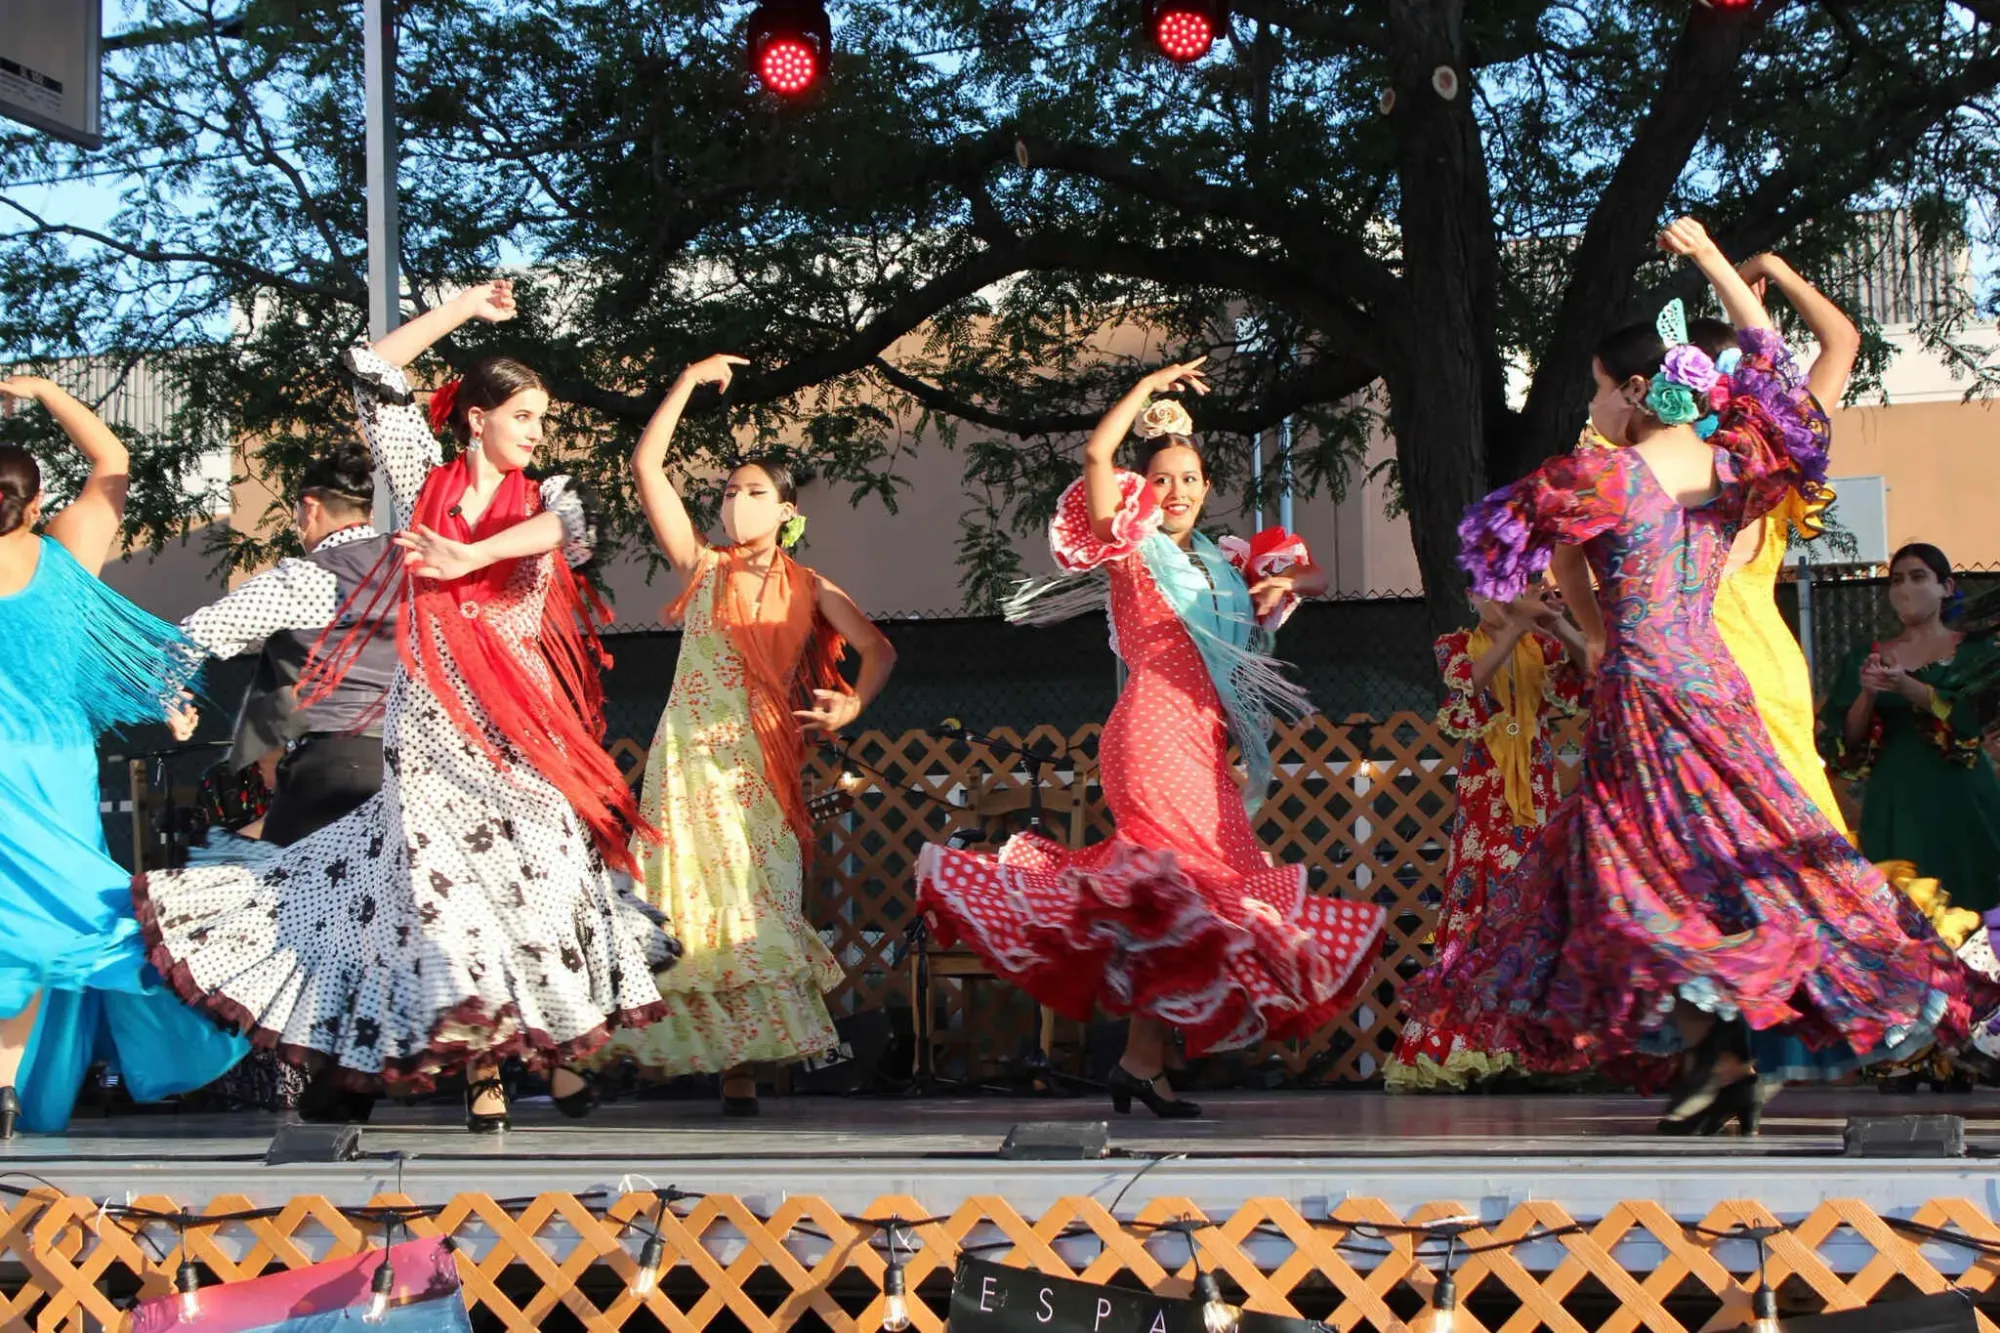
463	912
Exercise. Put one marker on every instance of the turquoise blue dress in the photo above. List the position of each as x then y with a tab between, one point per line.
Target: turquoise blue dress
76	659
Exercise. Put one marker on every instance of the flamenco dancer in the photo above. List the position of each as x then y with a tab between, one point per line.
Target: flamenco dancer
1746	604
332	747
1690	892
76	659
1506	680
761	644
467	912
1180	920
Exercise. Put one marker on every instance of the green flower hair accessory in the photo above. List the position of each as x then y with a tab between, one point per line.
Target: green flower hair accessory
791	530
1674	404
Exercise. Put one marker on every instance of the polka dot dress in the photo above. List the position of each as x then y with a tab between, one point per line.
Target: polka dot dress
1180	916
463	912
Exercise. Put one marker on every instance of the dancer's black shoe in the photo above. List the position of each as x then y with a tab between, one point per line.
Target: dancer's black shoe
486	1122
10	1111
1126	1086
1710	1114
576	1105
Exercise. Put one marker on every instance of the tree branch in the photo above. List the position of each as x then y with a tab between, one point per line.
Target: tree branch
1313	23
1700	72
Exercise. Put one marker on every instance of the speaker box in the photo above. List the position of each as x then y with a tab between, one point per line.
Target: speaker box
314	1143
1906	1136
1058	1141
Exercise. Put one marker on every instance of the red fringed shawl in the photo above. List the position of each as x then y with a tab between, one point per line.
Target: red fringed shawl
542	694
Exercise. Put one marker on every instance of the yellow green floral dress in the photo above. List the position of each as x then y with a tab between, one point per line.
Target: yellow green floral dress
752	977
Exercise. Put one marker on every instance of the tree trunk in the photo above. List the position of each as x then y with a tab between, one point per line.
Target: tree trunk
1445	373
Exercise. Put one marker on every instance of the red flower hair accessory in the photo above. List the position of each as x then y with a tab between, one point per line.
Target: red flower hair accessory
443	399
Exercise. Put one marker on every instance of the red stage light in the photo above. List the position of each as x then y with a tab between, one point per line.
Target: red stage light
787	66
791	42
1726	5
1185	30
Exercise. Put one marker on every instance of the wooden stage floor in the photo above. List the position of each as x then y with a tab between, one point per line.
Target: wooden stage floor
1300	1145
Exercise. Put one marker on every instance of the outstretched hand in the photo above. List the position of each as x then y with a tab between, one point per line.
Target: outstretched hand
718	370
1271	592
1687	238
26	388
492	302
1180	377
832	710
433	556
183	718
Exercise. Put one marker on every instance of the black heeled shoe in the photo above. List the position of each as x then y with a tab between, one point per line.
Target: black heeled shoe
741	1107
1738	1101
486	1122
578	1104
1126	1086
10	1111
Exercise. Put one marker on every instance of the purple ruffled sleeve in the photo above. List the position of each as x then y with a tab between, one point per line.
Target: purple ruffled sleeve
1505	541
1775	431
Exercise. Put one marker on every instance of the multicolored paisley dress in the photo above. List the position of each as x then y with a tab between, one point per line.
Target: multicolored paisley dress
1690	865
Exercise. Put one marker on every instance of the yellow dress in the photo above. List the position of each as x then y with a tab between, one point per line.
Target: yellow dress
750	985
1746	615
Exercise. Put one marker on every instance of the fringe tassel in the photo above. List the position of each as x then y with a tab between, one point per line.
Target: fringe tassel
1057	598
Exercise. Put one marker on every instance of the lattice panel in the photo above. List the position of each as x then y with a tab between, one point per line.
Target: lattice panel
554	1262
1364	804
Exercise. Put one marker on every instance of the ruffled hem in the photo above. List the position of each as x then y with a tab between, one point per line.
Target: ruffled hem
1459	1071
1124	927
711	1032
453	1041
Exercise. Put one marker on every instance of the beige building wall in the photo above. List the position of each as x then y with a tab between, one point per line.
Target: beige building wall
1940	467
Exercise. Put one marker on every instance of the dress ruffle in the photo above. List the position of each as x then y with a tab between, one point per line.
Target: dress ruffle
1073	538
1124	927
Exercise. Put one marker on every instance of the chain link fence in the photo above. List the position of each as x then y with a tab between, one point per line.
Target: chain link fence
1367	657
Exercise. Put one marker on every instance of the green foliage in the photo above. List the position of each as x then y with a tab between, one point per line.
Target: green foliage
988	221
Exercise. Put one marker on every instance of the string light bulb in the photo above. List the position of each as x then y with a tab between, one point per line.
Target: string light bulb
188	1280
1217	1314
895	1304
1444	1305
651	1255
1764	1309
380	1288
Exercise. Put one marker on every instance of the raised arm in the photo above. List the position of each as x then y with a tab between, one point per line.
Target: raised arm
1689	239
1839	341
88	525
1100	452
672	528
491	302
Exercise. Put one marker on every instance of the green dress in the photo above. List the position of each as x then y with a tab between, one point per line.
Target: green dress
1932	797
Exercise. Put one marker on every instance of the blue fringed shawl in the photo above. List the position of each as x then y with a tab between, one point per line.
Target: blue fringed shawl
77	659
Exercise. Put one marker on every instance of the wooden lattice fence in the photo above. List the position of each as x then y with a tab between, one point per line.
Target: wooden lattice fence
560	1262
1365	805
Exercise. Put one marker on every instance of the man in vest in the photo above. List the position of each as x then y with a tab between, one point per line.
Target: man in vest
332	747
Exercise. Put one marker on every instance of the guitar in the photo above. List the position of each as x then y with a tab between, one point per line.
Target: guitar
829	804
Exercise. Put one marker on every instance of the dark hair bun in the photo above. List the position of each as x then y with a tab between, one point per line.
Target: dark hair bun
20	483
347	469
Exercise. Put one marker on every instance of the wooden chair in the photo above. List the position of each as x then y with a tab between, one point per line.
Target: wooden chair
998	811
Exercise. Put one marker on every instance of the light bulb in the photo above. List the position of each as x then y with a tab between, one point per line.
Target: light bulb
380	1288
1444	1305
189	1282
1217	1315
651	1255
895	1305
1764	1309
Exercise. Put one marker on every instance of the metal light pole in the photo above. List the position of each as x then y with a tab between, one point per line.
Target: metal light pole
379	98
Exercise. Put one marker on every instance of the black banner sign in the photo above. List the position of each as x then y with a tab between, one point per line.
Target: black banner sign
991	1298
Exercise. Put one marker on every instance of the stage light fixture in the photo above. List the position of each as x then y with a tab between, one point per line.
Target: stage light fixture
1444	1305
1725	5
1185	30
791	43
1217	1314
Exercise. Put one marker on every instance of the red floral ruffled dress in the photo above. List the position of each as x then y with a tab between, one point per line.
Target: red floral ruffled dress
1488	839
1180	916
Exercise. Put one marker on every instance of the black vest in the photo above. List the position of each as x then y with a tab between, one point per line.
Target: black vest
271	717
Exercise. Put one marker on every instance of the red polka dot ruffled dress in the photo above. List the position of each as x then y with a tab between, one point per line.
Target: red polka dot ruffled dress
1180	916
